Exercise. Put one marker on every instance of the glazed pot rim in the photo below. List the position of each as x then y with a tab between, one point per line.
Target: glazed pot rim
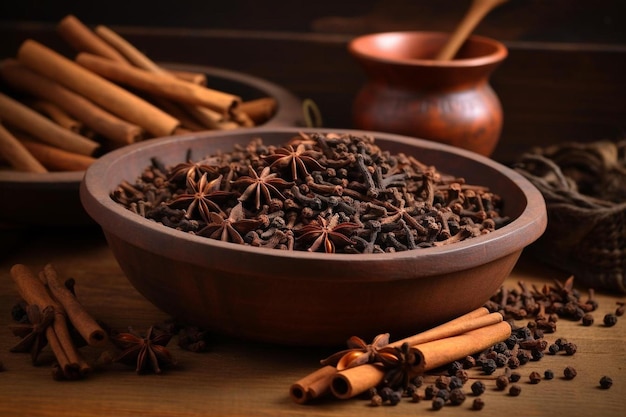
355	47
128	226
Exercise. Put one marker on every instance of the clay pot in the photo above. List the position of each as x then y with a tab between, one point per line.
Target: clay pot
409	92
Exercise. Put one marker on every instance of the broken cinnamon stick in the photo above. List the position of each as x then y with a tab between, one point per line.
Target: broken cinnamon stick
112	97
16	154
24	118
159	84
93	116
83	39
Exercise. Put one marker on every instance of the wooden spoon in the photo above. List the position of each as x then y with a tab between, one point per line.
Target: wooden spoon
474	15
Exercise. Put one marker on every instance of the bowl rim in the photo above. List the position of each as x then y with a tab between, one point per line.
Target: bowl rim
355	47
118	220
289	109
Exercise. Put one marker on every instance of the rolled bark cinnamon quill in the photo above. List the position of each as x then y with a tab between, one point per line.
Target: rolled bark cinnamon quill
353	381
16	154
158	83
24	118
110	96
83	39
108	125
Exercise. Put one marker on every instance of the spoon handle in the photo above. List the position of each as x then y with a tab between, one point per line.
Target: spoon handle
474	15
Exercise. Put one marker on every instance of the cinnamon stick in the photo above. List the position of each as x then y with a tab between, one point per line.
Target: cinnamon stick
158	83
93	116
24	118
207	117
16	154
83	39
353	381
259	110
56	114
55	159
140	60
113	98
33	291
88	328
350	381
314	385
475	319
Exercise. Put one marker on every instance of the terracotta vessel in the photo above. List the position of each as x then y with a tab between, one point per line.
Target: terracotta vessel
410	92
309	298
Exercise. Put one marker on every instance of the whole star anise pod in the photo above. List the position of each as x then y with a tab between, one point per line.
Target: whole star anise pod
358	352
147	353
398	363
261	187
33	333
327	234
298	160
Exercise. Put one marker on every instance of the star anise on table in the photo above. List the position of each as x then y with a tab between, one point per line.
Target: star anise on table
327	234
298	159
230	229
146	353
202	196
262	186
33	333
358	352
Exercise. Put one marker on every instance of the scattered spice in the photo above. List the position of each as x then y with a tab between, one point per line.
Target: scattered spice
548	374
569	372
606	382
534	377
587	319
318	192
438	403
515	390
478	387
610	320
478	404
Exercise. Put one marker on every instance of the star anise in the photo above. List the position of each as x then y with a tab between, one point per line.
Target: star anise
398	363
230	229
33	333
262	186
327	234
298	159
201	196
191	170
358	352
147	353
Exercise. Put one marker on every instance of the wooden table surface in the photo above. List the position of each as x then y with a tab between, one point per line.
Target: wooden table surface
244	379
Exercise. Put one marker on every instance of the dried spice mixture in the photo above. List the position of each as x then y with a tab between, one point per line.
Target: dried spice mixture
319	192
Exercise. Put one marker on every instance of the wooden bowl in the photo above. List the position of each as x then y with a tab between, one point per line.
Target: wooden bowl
305	298
51	199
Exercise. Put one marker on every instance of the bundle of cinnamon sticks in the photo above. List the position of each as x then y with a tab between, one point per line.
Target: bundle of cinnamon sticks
66	111
441	345
48	295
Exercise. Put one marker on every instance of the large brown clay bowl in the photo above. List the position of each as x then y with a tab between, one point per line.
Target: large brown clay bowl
306	298
51	199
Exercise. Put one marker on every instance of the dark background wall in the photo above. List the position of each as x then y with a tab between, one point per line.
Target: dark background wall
563	79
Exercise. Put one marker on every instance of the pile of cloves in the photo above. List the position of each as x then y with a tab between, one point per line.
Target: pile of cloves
318	192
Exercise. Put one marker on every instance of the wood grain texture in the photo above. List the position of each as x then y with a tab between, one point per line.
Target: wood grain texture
244	379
